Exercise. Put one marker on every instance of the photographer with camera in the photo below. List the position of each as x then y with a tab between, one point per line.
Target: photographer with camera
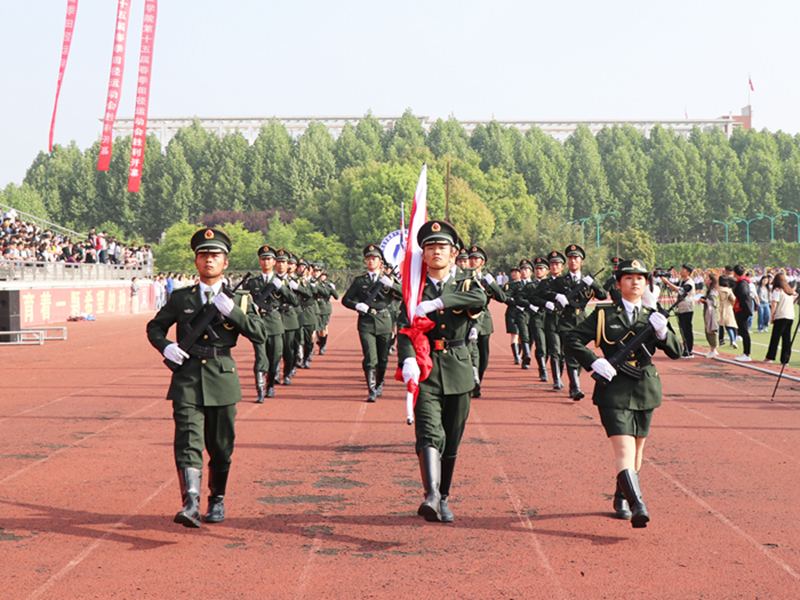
685	308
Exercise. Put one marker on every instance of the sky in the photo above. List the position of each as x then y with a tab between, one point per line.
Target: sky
527	60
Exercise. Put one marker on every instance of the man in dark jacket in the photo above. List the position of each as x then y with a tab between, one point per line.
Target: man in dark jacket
742	310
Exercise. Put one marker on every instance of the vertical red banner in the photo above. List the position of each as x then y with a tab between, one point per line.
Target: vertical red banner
142	96
69	27
114	84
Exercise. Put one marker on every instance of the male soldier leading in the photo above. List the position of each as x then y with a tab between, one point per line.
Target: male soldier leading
205	385
442	407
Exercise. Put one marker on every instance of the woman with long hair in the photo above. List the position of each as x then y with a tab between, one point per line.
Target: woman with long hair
782	317
763	293
710	303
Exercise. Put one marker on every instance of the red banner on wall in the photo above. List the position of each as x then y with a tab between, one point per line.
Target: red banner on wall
142	96
114	84
69	27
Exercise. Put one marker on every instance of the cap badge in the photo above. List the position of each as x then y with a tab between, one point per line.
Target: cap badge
636	264
209	234
436	227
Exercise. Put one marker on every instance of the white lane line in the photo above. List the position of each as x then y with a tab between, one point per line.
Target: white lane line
92	547
517	505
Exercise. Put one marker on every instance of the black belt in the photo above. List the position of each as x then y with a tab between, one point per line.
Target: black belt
447	344
208	351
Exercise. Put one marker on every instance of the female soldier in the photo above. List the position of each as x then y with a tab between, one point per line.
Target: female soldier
625	402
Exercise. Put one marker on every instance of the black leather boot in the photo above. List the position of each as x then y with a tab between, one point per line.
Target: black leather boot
380	376
373	392
542	362
189	479
260	385
622	510
217	482
554	368
448	464
430	467
628	481
322	341
307	350
272	379
526	356
515	352
575	385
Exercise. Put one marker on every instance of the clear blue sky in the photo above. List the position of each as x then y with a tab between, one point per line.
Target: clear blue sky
618	59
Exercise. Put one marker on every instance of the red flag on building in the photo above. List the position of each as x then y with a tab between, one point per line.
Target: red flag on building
69	28
142	96
750	81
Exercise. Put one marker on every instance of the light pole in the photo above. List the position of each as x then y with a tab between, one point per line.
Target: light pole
786	213
598	217
582	222
771	225
748	221
726	227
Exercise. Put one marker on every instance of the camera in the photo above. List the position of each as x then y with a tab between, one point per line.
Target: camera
661	272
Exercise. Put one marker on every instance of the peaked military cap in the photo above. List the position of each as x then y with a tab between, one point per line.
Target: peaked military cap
282	255
462	254
631	267
292	259
438	232
303	262
525	263
556	256
478	251
615	260
266	252
373	250
514	269
541	261
318	266
210	239
575	250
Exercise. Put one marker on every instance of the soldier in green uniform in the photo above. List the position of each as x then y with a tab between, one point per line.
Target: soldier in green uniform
626	403
268	355
309	315
610	285
544	297
477	259
523	316
374	317
325	290
511	313
452	303
205	386
536	328
288	313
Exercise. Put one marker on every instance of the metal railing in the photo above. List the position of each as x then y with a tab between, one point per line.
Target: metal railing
19	271
44	223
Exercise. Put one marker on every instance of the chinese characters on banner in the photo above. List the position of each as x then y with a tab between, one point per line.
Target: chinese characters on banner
114	84
45	306
69	27
142	96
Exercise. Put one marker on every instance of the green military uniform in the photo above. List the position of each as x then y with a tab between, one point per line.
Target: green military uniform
205	388
374	322
325	291
543	297
510	289
308	318
443	402
522	316
610	285
268	354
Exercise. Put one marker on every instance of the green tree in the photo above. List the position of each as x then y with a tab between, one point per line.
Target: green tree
228	187
25	199
542	162
169	193
472	218
495	145
587	186
407	132
266	167
631	243
312	164
450	138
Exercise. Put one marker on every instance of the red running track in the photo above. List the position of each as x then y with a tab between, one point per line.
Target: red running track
324	488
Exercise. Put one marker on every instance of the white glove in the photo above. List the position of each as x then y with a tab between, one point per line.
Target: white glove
562	299
277	283
473	334
488	278
603	368
313	284
520	308
387	281
333	287
294	285
362	308
588	280
427	306
533	308
174	353
549	305
659	323
410	370
224	304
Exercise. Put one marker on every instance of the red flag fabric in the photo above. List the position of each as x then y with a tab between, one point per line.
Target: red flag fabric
114	84
751	83
69	28
142	96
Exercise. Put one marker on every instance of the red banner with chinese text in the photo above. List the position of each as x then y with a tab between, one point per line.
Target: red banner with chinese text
114	84
69	28
142	96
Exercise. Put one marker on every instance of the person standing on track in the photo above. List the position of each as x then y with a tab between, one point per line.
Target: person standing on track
440	415
205	386
626	402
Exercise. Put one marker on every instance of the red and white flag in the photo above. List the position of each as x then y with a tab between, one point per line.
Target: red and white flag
143	79
415	271
114	84
750	81
69	28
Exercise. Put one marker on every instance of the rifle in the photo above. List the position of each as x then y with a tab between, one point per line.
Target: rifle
372	294
206	318
619	360
579	289
260	300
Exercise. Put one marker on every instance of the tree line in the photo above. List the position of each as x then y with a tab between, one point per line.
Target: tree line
510	191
